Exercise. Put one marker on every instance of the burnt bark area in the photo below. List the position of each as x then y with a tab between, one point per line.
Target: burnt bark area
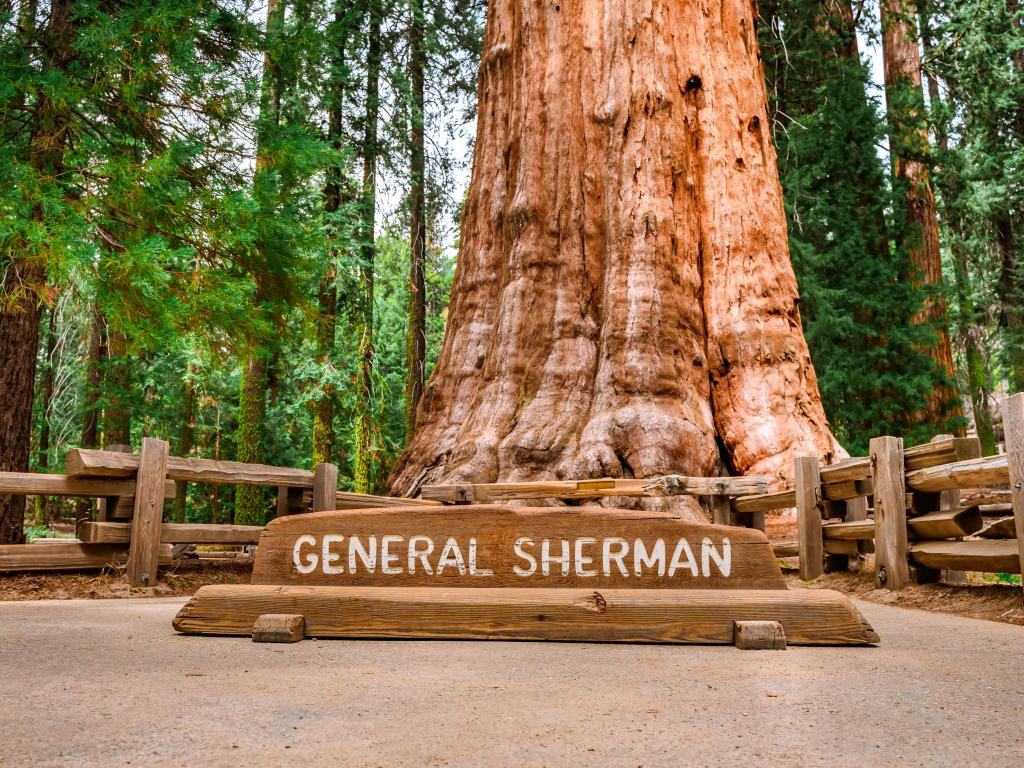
624	302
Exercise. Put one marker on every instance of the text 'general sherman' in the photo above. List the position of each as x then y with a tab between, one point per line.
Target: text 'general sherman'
334	554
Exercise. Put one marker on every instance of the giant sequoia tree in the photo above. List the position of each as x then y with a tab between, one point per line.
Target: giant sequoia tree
624	303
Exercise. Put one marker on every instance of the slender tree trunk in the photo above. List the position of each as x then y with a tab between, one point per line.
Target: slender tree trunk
908	132
416	338
24	279
117	416
366	428
186	437
43	456
250	500
624	303
93	381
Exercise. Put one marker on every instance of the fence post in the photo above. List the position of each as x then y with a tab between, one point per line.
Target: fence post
144	546
325	487
856	509
119	507
1013	428
807	481
888	478
721	510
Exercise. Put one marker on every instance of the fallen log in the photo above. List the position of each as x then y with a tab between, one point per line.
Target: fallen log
811	617
988	555
946	523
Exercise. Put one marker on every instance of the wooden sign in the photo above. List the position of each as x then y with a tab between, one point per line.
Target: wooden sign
497	546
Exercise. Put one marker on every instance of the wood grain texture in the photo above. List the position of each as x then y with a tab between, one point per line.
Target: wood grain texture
172	533
325	486
786	548
946	523
144	549
87	462
890	512
279	628
38	484
808	511
346	500
765	502
855	530
988	555
66	555
1003	528
1013	427
991	470
760	636
813	617
495	530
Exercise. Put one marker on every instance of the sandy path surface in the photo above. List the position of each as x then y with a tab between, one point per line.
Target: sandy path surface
110	683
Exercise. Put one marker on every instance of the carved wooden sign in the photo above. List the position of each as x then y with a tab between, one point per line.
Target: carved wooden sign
498	546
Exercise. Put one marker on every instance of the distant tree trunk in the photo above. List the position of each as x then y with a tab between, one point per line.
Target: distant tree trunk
117	416
416	338
186	437
908	132
250	500
43	456
93	381
624	303
25	278
366	429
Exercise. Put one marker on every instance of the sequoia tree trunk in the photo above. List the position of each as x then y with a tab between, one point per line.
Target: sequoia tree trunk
624	303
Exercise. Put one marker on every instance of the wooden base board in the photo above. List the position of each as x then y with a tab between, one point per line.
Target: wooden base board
808	617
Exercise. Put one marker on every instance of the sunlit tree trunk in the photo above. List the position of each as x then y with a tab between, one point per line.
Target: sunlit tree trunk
624	303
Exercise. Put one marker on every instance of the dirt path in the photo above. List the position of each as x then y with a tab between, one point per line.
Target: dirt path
109	683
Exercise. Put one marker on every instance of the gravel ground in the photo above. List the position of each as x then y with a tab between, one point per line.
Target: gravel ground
110	683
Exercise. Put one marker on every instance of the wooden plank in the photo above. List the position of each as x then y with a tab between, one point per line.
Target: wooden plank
495	545
279	628
847	548
808	498
891	567
325	486
1003	528
760	636
848	489
814	617
856	509
765	502
785	548
918	457
855	530
172	533
851	469
989	555
86	462
990	470
946	523
65	555
1013	428
669	485
38	484
144	550
346	500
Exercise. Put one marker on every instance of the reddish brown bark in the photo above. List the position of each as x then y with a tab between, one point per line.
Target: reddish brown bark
624	303
909	144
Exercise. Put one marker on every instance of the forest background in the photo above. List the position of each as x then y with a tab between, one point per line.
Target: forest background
233	225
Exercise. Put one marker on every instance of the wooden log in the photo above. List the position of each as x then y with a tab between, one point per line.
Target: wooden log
346	500
785	548
494	545
813	617
721	510
891	566
808	498
855	530
1013	428
856	509
38	484
279	628
1003	528
995	510
760	636
144	550
325	486
65	555
86	462
991	470
848	489
946	523
918	457
669	485
848	548
765	502
989	555
172	533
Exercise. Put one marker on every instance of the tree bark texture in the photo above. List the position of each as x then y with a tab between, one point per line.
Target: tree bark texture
909	145
624	303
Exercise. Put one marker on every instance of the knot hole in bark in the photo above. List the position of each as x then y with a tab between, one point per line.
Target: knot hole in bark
694	84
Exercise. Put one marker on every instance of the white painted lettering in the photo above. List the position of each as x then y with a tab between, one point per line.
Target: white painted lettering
519	547
683	547
451	555
415	553
311	560
369	558
387	559
581	559
330	557
708	553
473	570
608	557
641	557
546	559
